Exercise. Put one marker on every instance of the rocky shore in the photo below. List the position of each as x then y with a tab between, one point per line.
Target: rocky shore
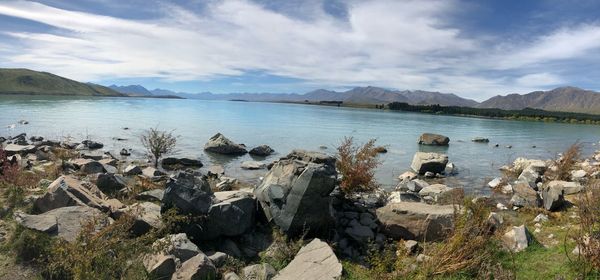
298	197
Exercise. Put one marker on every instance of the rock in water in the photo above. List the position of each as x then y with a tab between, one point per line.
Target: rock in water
295	192
433	139
262	150
432	162
221	145
315	260
416	221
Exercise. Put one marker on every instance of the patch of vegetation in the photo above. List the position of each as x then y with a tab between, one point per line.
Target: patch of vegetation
357	165
158	143
528	114
282	251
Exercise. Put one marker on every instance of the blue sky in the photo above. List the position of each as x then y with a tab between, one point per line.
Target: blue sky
476	49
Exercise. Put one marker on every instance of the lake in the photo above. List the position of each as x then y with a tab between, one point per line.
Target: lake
292	126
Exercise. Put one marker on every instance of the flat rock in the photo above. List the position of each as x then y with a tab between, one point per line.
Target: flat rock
253	165
151	195
315	260
69	191
429	162
416	221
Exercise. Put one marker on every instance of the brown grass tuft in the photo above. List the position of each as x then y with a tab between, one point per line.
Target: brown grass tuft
564	165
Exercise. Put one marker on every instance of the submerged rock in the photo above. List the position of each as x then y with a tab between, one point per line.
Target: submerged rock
262	150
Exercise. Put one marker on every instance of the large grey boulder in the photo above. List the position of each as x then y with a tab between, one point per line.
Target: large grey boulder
517	239
160	266
188	193
524	196
146	217
416	221
553	197
110	183
294	194
315	260
69	191
92	167
65	222
433	139
567	187
221	145
197	268
231	214
429	162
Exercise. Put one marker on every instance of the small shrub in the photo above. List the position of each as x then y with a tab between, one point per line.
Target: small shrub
564	165
357	165
282	251
588	236
158	143
31	246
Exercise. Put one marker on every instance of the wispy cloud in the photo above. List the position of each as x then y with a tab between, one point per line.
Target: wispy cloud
399	44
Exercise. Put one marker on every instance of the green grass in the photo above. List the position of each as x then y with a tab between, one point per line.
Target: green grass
29	82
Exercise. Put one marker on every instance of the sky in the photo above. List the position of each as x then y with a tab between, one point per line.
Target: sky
473	48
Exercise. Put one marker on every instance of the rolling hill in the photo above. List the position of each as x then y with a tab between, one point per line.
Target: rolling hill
564	99
29	82
132	90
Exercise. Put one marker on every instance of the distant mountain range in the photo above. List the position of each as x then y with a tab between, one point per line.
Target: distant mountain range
28	82
567	99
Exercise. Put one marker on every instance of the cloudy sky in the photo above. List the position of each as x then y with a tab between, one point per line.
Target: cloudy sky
475	48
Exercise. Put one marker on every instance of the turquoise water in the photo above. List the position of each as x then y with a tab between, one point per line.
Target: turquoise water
289	126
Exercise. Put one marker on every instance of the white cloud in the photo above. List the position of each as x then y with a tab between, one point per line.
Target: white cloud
399	44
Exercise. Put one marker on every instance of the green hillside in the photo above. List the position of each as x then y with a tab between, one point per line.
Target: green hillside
28	82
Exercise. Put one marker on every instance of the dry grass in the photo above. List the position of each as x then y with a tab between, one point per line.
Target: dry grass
283	250
588	235
357	165
564	164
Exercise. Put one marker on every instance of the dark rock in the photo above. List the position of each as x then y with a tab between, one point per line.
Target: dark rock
110	183
188	193
199	267
262	150
178	163
132	170
432	162
92	145
124	152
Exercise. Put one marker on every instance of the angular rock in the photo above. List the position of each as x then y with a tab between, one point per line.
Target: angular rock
160	266
218	258
433	139
92	145
188	193
177	245
524	195
416	221
65	222
152	172
262	150
230	214
151	195
68	191
146	217
295	193
110	183
131	170
315	260
93	155
434	190
432	162
221	145
92	167
263	271
553	197
517	239
197	268
407	176
567	187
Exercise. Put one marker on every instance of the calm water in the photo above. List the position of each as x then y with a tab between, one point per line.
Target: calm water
288	126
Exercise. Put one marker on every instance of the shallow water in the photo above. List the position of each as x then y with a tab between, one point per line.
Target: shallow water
291	126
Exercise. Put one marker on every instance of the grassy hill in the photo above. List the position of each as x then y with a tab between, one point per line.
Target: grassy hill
29	82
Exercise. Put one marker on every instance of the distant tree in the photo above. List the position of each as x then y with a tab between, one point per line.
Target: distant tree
158	143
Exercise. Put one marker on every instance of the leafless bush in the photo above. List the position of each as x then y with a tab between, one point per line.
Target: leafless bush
564	164
158	143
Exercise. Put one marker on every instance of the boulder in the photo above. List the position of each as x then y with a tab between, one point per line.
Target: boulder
12	149
64	222
262	150
359	232
93	155
517	239
197	268
124	152
188	193
151	195
152	172
218	258
578	175
231	214
416	221
567	187
131	170
434	190
221	145
433	139
146	217
315	260
524	195
415	185
294	194
553	197
172	163
110	183
160	266
92	167
253	165
69	191
432	162
92	145
263	271
177	245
